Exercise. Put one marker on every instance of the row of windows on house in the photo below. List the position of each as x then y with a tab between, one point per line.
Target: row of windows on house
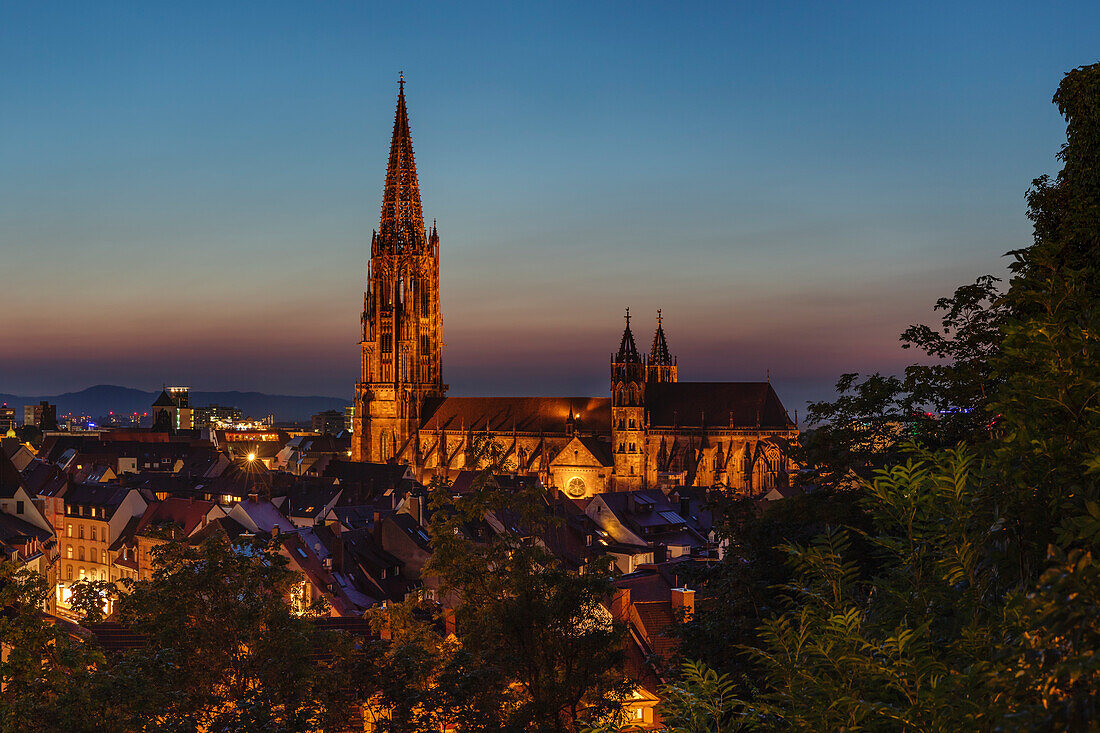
89	574
80	554
80	533
79	510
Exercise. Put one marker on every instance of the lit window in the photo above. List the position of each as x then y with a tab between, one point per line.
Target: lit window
69	552
68	572
69	531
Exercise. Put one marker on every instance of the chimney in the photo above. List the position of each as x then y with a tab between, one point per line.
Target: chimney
683	602
337	557
253	496
415	505
685	507
620	604
275	531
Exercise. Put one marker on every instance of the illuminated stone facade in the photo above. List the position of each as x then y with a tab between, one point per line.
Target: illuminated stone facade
653	431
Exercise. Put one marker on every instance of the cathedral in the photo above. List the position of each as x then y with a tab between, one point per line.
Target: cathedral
653	431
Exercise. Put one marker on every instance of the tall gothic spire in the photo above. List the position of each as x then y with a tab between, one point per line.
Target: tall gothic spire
628	352
402	225
659	354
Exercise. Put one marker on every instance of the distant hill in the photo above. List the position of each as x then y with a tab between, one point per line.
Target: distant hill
104	398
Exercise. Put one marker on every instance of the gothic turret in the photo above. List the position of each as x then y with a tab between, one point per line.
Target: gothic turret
402	349
661	365
628	413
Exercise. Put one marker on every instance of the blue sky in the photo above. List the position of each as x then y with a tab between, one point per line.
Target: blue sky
187	190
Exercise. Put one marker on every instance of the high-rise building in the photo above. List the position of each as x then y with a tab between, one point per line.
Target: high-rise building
43	416
7	418
209	415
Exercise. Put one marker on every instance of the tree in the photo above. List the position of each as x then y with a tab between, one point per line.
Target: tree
222	649
48	675
962	384
980	611
702	701
937	404
1050	400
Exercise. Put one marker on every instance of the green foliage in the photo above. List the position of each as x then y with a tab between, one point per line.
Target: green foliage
859	431
981	608
223	651
961	383
47	675
1051	396
735	595
872	418
702	701
900	649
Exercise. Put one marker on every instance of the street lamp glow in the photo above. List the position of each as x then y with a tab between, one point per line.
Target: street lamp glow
251	456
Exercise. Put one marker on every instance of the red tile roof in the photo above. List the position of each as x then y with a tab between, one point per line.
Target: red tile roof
187	513
523	414
716	404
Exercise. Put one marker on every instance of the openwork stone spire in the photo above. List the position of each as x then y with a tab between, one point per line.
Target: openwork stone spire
402	225
659	354
628	352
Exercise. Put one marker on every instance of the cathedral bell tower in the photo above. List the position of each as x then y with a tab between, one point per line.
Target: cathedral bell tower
401	362
628	431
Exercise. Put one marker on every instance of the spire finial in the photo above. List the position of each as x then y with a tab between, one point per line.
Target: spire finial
628	316
658	318
401	81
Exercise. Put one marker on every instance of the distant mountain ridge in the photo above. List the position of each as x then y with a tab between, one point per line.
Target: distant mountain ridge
104	398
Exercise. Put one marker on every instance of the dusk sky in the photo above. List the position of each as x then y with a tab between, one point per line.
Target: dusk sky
187	193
